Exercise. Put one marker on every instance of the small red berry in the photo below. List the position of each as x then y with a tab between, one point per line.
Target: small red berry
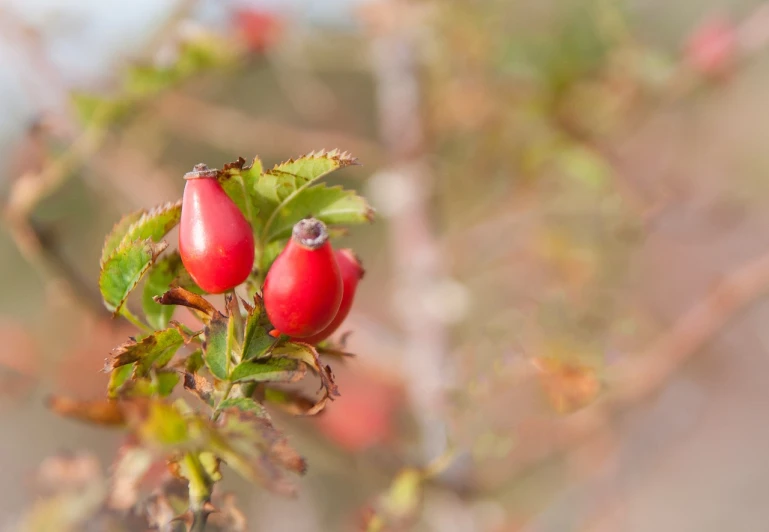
303	289
259	30
711	49
352	272
216	242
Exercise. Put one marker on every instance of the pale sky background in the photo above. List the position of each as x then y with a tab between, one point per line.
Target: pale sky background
88	39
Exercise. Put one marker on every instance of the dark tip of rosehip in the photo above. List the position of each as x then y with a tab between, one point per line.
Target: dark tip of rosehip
310	233
200	171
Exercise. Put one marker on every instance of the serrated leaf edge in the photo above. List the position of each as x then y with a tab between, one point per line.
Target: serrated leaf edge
155	248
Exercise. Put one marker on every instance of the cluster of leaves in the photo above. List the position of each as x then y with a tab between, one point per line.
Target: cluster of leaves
232	364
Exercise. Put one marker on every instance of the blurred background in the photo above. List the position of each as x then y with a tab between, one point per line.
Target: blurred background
562	312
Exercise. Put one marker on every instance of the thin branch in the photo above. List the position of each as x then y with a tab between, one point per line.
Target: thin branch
642	374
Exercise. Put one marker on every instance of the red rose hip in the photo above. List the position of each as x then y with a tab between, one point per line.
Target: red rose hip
352	272
216	242
303	289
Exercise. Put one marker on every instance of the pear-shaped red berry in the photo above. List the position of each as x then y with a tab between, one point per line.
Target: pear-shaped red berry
352	271
303	289
216	242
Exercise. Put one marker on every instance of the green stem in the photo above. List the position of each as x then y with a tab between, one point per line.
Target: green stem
130	316
441	463
226	395
200	491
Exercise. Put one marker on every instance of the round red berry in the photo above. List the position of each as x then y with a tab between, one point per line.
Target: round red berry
216	242
352	272
303	288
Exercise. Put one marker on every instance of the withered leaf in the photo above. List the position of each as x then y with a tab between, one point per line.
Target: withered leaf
101	412
245	429
132	464
181	296
152	351
290	401
229	517
309	355
200	387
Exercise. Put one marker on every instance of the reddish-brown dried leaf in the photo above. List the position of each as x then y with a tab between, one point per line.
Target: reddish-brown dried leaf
199	386
180	296
101	412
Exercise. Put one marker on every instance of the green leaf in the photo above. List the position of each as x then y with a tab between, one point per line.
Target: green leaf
194	361
315	165
253	433
161	384
163	425
257	338
237	321
115	237
270	252
586	166
332	205
215	346
156	223
279	185
246	404
270	370
239	182
165	382
152	351
123	270
117	378
158	282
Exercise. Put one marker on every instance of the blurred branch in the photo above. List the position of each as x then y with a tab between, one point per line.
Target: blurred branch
415	251
643	373
27	191
231	130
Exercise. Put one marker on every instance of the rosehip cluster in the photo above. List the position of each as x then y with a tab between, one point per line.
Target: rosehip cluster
309	289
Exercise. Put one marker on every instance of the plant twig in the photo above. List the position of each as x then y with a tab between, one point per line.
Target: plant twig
200	491
225	396
643	373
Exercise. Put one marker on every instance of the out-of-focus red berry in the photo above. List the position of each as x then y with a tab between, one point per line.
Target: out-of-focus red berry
711	49
363	415
259	30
